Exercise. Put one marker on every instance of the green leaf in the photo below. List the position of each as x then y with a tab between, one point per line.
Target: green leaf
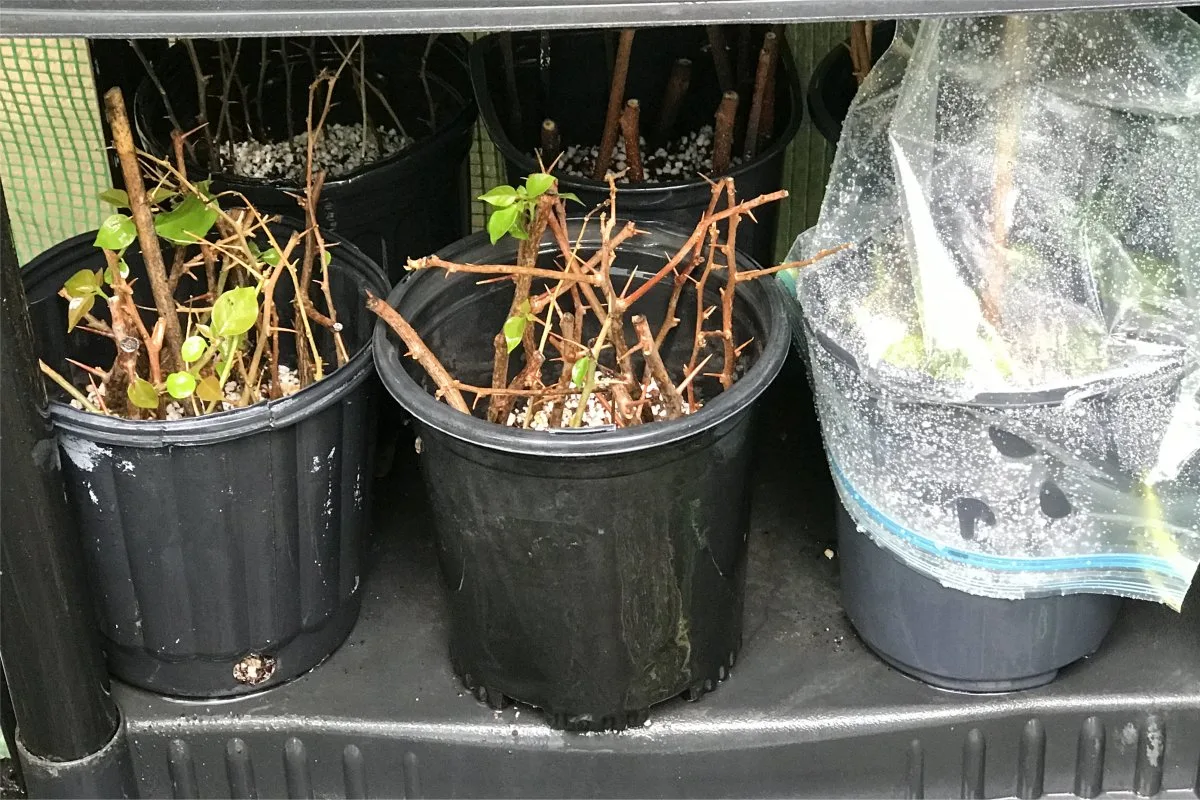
514	329
180	385
271	256
116	233
570	196
205	188
142	394
209	390
538	184
185	223
501	222
82	284
193	348
327	257
77	308
108	276
517	231
118	198
581	371
524	308
501	196
235	312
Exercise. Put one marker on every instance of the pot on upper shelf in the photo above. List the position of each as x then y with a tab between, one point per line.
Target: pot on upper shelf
412	201
562	75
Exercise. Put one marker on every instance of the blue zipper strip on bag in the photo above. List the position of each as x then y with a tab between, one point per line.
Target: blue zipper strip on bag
1122	561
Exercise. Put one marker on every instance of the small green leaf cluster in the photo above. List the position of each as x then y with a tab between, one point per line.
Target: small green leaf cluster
514	206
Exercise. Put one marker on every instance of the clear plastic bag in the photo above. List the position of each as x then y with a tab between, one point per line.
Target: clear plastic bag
1007	360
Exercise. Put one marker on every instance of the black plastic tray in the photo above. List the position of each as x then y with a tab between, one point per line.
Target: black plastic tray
807	711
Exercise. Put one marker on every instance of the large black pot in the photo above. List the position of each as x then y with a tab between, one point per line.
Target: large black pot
833	86
592	573
569	82
213	539
408	204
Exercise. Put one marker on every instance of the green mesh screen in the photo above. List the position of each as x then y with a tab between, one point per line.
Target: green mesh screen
51	154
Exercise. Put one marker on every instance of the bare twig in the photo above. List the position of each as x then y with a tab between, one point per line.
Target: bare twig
677	86
616	99
723	135
753	274
510	79
67	387
153	75
728	294
114	104
551	140
417	349
513	270
766	65
720	54
860	48
629	129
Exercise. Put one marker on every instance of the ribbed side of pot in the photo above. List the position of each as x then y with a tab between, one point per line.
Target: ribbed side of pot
200	556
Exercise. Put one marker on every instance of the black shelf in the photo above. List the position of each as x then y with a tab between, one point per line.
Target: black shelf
147	18
807	711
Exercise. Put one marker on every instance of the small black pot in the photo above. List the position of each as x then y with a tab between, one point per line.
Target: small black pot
215	538
961	641
408	204
937	633
573	89
833	86
592	573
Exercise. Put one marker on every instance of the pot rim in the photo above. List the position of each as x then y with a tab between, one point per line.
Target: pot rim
584	443
500	138
220	426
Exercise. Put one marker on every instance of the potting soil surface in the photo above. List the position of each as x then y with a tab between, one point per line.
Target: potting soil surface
807	711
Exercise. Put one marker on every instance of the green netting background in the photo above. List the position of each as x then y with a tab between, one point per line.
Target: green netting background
53	166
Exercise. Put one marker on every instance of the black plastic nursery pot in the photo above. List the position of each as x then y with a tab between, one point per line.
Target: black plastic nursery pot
223	550
569	82
407	204
961	641
590	572
833	86
989	472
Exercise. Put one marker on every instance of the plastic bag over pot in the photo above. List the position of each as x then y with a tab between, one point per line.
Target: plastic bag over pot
1006	361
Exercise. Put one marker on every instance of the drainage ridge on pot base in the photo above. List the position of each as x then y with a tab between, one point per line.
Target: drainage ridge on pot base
575	93
407	204
227	543
591	573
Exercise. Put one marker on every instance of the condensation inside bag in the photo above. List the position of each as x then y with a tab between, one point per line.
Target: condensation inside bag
1007	361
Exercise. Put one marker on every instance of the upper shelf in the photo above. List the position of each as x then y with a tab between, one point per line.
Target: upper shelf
146	18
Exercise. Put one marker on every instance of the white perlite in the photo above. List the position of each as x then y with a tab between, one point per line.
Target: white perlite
595	413
339	151
680	159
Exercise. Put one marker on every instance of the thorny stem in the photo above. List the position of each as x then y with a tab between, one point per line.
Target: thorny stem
201	103
753	274
447	386
682	277
429	262
658	369
697	234
153	75
729	292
